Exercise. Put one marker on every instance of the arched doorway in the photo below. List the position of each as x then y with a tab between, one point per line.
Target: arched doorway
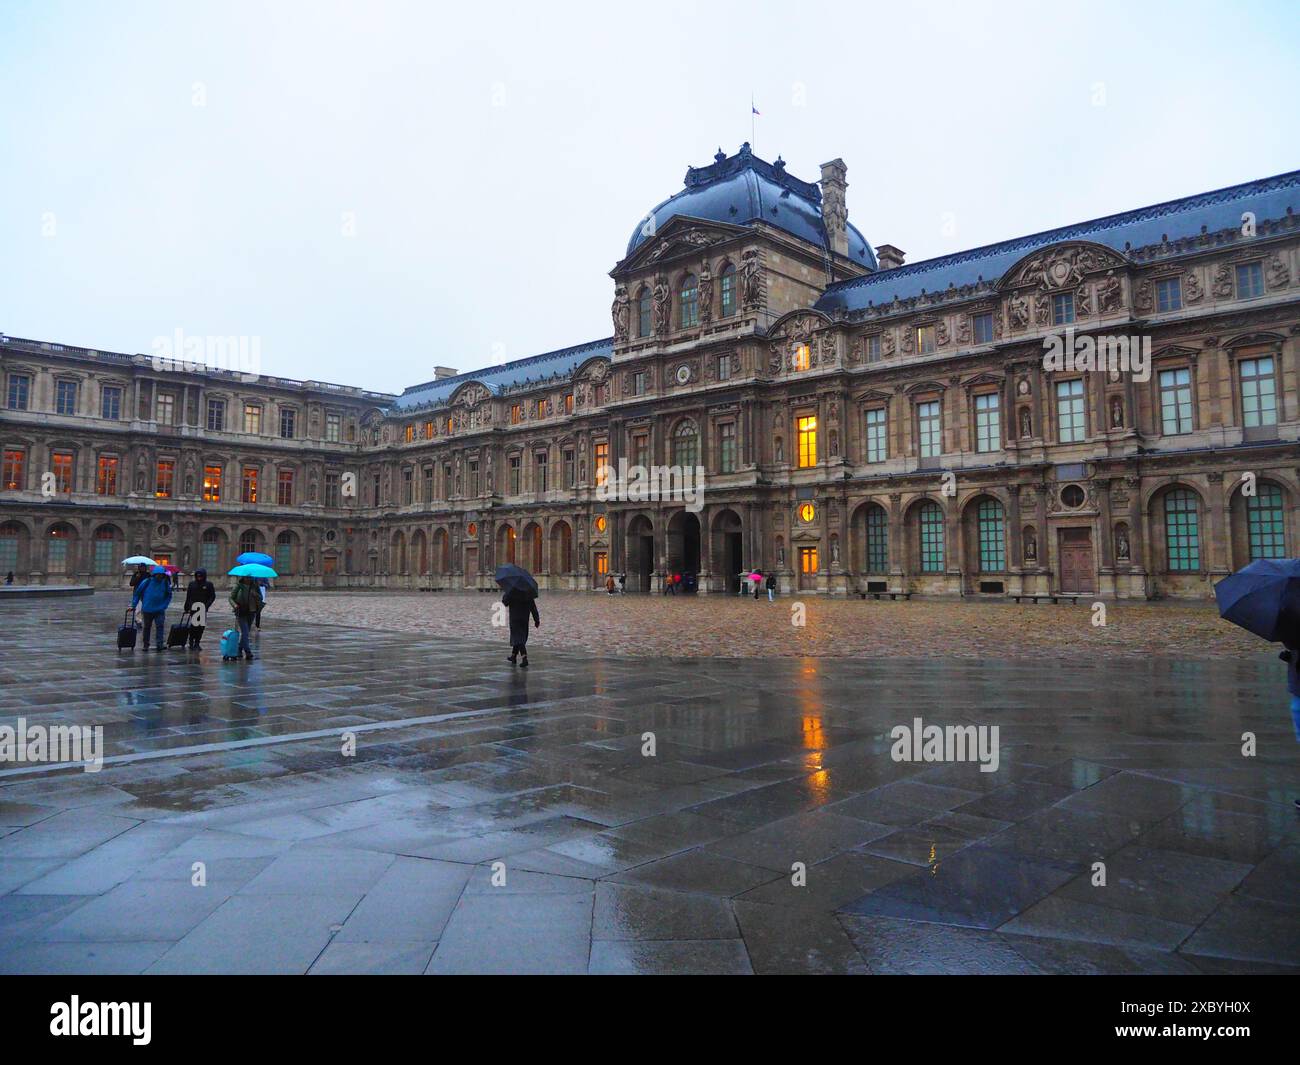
532	547
640	553
728	548
61	550
505	545
684	543
561	547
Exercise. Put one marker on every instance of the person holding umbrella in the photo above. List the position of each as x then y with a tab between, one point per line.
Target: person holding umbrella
246	600
520	596
153	594
1264	598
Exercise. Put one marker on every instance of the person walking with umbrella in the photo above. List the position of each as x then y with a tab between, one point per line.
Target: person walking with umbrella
520	597
1264	598
153	594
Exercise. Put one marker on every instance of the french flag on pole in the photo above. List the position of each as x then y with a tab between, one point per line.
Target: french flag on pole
754	109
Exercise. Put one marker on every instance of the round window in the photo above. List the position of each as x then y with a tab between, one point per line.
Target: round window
600	523
473	528
1072	495
331	536
807	512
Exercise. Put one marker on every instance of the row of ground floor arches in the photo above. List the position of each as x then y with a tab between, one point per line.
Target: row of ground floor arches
1125	537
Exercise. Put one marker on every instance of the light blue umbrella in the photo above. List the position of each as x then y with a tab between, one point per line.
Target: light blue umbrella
253	569
254	558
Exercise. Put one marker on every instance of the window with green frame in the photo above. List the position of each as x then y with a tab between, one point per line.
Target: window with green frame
992	536
1266	523
930	524
1182	531
877	539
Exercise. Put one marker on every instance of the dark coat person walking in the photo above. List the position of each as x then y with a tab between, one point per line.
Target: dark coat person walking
522	605
200	591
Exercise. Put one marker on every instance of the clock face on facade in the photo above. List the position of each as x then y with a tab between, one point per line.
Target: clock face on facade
683	374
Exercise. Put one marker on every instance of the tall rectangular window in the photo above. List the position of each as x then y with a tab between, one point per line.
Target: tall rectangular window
106	553
638	383
930	527
925	342
65	397
429	492
166	474
929	429
1258	392
1266	523
1070	426
252	418
110	403
569	481
807	430
20	389
408	485
516	413
1250	280
602	462
988	422
877	539
106	475
1169	294
992	536
540	461
1063	308
212	484
331	489
514	475
14	461
877	438
724	367
1182	531
727	291
217	415
248	487
288	423
641	449
165	409
284	488
333	427
873	347
61	464
1175	401
727	447
982	324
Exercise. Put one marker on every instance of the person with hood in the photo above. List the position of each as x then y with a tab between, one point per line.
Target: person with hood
771	586
153	595
141	574
522	604
245	601
200	591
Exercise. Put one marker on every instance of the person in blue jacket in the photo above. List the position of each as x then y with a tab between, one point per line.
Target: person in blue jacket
153	594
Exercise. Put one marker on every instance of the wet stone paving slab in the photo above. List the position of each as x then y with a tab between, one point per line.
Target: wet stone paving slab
491	819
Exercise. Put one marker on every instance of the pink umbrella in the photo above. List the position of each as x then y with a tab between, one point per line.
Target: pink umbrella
755	576
171	569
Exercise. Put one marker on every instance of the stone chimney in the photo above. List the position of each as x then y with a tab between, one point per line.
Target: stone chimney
439	372
889	257
835	215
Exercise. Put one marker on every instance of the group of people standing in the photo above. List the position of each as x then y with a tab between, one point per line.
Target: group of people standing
151	593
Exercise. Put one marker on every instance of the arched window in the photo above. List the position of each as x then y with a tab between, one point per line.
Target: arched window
930	536
105	550
727	291
284	553
1266	523
877	539
210	551
992	537
1182	531
643	304
686	444
690	301
248	542
9	533
59	536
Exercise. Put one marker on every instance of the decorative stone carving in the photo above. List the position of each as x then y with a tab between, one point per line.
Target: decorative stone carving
1019	311
941	332
1142	299
963	329
660	309
1042	310
1192	290
751	280
706	295
1277	274
1222	286
1110	293
622	313
1083	302
1116	412
887	343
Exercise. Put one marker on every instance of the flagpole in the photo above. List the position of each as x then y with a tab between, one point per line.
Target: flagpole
753	127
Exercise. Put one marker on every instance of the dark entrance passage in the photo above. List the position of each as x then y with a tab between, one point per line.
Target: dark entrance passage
684	543
728	549
640	554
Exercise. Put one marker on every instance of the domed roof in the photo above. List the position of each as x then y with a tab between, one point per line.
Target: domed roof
743	188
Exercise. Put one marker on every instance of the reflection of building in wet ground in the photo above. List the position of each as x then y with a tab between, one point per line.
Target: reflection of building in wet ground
617	862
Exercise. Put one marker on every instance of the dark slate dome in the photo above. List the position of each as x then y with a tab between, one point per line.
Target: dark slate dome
743	188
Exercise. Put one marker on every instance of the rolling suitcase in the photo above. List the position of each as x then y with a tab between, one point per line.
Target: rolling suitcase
179	634
229	645
126	632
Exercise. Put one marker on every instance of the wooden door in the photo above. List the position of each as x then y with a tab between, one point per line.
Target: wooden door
1078	571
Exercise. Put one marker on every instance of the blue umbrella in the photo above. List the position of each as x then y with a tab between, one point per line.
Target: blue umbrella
254	558
512	578
253	569
1263	598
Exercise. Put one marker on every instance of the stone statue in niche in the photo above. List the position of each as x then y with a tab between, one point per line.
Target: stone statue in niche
835	551
780	555
1121	544
1026	424
1116	412
751	281
622	313
780	450
1031	546
1019	310
706	294
660	308
1109	293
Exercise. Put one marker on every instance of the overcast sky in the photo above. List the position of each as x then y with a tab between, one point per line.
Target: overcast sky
197	166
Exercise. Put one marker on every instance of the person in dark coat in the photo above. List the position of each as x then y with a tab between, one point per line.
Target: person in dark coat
1291	656
522	605
141	573
200	590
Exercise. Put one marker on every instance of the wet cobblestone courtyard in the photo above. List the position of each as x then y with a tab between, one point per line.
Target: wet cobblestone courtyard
497	820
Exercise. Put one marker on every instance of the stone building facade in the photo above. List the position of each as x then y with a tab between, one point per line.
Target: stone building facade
864	424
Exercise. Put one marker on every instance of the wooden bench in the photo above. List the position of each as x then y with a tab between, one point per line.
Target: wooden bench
1057	598
881	595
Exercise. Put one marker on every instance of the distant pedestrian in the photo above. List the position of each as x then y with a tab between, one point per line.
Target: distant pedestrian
609	584
152	595
244	601
622	584
200	592
757	578
9	577
771	586
176	580
523	605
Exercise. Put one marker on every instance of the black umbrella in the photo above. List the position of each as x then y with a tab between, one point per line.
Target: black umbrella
514	578
1263	598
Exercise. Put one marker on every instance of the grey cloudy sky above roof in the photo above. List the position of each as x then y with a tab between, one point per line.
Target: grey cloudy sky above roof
376	189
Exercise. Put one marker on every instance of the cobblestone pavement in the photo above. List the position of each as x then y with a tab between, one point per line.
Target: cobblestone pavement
729	626
499	820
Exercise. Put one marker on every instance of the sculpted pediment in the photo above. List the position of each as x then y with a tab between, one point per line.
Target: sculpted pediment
682	236
1061	267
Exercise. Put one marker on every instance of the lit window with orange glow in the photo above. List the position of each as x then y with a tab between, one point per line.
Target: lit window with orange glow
807	427
601	524
802	358
807	512
602	462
